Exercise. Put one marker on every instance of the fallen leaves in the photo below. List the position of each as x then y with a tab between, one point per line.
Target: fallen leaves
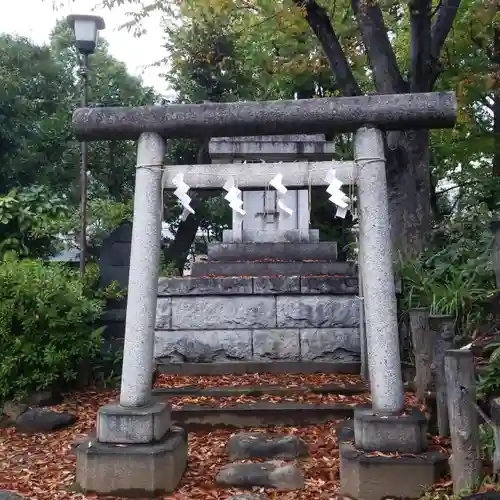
249	379
42	467
223	402
207	457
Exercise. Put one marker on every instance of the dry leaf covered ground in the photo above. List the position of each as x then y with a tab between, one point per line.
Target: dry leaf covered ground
41	467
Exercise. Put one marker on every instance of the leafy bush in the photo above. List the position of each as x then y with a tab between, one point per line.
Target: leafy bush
92	288
46	325
30	220
454	276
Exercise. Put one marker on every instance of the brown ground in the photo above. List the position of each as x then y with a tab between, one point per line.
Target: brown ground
42	467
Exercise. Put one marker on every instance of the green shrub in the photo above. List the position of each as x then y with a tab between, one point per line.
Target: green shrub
46	325
30	220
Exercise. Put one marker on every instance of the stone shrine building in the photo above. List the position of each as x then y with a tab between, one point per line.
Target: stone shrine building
271	291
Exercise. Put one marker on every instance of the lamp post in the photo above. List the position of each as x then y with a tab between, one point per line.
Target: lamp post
86	30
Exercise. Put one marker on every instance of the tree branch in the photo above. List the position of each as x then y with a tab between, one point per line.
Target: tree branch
420	45
388	79
321	25
458	186
439	31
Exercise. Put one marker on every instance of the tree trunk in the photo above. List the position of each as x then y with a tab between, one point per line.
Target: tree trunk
496	101
408	182
178	251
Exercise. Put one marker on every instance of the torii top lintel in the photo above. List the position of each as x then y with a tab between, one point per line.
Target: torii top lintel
305	116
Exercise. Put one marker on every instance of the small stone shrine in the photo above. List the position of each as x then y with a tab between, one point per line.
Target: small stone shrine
271	291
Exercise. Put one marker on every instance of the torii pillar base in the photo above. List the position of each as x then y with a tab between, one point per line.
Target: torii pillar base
373	465
133	470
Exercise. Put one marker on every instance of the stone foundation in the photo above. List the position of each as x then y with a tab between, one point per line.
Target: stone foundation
136	452
234	319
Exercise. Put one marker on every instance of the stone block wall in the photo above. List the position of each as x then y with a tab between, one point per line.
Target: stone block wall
257	319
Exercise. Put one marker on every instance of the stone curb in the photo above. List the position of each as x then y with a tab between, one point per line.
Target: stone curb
242	367
257	390
259	415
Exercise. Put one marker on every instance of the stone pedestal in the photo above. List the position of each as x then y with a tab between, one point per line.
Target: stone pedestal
133	470
386	456
271	291
136	453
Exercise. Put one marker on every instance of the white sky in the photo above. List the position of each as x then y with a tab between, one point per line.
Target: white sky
36	19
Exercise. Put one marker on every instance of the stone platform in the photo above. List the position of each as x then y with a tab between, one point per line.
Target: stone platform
236	252
136	452
235	319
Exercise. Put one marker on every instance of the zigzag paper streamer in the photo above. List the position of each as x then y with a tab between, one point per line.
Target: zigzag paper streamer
341	213
337	197
181	192
233	197
284	208
277	183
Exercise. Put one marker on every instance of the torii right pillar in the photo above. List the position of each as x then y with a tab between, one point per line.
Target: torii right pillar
384	454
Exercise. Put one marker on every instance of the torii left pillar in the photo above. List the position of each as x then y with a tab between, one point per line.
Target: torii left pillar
137	452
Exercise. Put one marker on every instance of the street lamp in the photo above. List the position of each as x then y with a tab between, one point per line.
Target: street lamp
86	30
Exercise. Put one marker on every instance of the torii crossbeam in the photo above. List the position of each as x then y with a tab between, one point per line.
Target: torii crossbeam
304	116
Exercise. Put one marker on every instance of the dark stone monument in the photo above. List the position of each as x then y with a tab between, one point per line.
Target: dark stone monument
114	261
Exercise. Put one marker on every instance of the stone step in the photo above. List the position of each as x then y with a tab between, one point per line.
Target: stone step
316	268
273	474
163	393
262	236
242	367
230	252
259	415
262	445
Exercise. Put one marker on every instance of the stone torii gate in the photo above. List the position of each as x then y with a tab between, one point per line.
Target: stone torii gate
136	449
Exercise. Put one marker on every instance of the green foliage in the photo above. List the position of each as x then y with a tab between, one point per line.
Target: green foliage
92	289
487	441
46	325
104	215
39	90
30	220
454	276
107	366
168	269
489	379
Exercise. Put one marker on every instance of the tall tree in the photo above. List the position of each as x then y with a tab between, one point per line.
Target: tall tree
358	39
39	90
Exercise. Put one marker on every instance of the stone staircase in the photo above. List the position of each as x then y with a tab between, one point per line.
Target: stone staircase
262	405
271	459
